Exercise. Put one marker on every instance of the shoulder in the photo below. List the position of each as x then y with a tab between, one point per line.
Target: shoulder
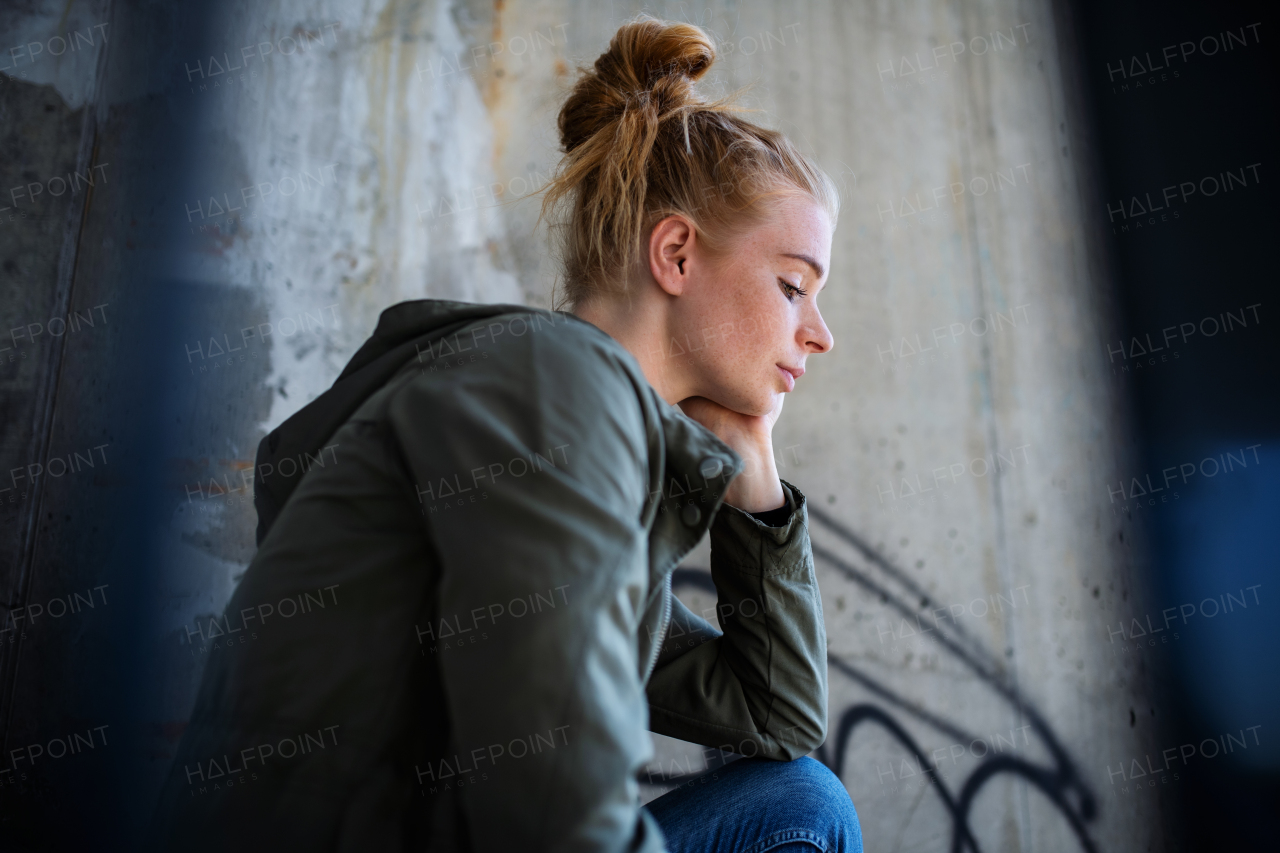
560	338
520	383
537	367
554	353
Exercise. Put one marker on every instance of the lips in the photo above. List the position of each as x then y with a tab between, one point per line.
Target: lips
790	375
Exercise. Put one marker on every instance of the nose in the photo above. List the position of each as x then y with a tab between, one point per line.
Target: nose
814	335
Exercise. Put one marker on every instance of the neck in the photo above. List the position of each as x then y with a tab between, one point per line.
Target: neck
640	325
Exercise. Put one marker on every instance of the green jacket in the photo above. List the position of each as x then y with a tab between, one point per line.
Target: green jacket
447	638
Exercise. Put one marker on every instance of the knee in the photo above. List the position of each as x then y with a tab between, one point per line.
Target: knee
819	795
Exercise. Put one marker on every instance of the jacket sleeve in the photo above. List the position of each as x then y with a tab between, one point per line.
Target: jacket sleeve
760	688
533	475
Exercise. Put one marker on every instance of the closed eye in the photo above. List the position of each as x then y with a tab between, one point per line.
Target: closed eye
791	291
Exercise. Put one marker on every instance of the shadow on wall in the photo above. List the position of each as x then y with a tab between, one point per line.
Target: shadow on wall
1059	780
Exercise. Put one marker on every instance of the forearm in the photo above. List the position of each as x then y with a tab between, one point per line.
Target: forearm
762	686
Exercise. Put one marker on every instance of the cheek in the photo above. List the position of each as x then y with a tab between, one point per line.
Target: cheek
744	346
738	333
741	324
753	316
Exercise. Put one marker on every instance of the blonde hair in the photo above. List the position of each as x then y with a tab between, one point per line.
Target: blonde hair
641	145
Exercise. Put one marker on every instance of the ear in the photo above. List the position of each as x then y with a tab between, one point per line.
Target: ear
670	248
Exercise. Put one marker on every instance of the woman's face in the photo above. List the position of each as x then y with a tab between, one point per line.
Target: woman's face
749	318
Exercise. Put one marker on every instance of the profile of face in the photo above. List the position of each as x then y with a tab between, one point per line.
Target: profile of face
745	319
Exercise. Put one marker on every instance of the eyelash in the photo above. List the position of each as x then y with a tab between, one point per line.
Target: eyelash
798	290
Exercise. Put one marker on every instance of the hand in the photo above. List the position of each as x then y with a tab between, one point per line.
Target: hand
734	428
757	488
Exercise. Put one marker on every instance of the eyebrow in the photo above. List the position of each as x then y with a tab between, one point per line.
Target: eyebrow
817	267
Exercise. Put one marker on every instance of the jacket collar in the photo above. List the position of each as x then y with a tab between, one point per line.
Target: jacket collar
696	468
690	469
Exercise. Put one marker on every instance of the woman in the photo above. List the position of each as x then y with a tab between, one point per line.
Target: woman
495	497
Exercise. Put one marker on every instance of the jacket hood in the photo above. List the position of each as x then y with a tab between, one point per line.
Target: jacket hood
409	321
288	451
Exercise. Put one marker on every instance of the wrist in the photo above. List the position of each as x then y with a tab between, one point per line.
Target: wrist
757	488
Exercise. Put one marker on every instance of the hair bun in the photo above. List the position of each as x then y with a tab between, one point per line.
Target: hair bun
650	60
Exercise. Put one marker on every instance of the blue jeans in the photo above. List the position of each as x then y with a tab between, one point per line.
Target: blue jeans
755	805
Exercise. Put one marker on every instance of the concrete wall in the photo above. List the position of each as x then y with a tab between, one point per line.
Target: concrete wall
337	160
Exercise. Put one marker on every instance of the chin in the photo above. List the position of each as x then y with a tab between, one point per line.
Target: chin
755	400
760	404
